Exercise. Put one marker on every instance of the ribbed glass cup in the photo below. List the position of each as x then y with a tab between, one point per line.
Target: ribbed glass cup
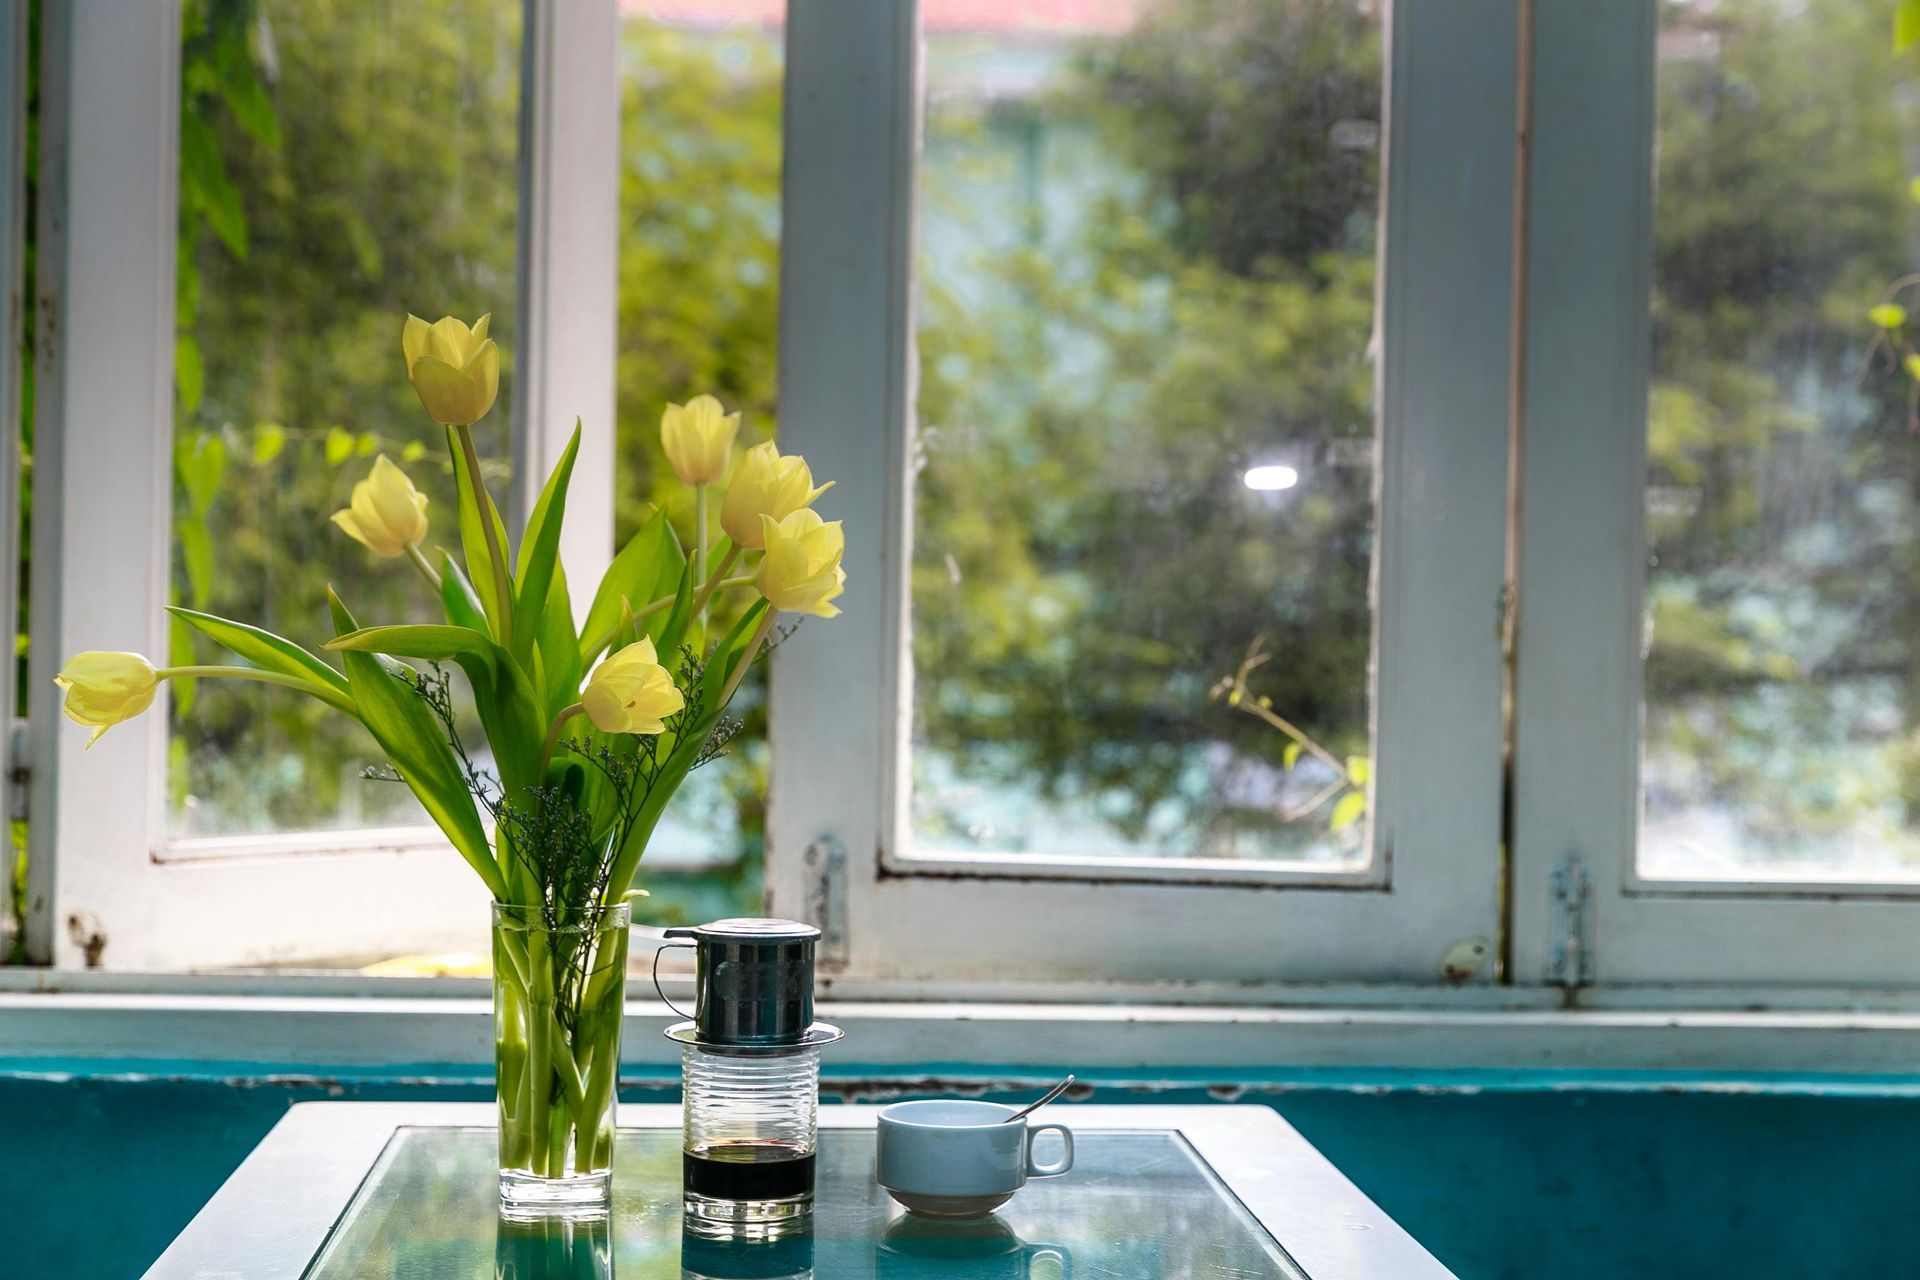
558	995
749	1135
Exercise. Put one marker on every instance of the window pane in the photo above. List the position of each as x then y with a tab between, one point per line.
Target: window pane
341	163
699	288
1782	726
1146	438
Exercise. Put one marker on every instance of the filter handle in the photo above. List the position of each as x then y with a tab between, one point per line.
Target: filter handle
668	946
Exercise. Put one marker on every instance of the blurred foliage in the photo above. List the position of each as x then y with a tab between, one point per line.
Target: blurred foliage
1088	560
360	162
1136	283
1783	680
341	164
699	312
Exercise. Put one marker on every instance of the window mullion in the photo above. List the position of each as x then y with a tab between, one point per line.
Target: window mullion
1577	676
109	134
569	269
852	109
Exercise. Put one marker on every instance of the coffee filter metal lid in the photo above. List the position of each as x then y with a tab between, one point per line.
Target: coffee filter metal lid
753	983
747	929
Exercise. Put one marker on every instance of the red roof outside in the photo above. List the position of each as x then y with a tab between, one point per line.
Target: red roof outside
1005	17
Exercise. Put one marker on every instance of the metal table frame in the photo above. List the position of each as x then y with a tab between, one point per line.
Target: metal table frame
273	1214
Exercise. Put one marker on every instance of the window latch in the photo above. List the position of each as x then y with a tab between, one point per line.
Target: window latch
1570	950
826	862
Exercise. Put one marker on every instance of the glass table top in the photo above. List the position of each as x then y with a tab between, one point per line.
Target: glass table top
1136	1205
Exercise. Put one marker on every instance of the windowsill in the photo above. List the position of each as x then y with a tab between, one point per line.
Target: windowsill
92	1024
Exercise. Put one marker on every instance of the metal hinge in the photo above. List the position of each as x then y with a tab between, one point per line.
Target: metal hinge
1570	949
826	862
19	771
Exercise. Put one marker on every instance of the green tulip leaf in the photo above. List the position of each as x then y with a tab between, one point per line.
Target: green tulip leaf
270	652
414	741
473	536
558	648
540	553
646	569
668	639
502	694
457	596
430	641
727	658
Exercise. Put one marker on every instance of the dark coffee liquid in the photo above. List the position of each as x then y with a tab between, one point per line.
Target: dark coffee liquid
748	1171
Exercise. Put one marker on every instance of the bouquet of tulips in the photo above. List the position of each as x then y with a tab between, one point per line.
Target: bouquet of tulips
586	750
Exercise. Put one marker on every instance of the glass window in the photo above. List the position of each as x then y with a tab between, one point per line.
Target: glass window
1782	720
700	87
1146	444
341	163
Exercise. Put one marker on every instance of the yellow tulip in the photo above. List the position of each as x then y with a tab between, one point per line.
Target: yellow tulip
105	688
766	485
631	692
801	572
387	514
456	370
698	438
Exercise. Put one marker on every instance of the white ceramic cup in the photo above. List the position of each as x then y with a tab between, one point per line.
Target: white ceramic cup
953	1158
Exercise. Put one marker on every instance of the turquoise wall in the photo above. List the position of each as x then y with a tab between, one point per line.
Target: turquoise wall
1504	1178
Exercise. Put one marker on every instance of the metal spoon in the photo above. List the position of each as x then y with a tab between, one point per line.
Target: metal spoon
1042	1101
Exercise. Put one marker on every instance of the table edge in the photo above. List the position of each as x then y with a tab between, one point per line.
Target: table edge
1324	1222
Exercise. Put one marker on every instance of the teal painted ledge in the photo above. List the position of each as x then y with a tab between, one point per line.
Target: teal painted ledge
1505	1176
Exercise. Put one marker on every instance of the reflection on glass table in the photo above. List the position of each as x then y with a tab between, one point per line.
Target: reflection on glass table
1137	1204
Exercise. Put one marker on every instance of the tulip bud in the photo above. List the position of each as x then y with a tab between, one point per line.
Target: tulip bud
105	688
801	571
631	692
387	513
698	438
455	370
766	485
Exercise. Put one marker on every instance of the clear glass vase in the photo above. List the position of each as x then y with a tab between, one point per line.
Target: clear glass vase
559	987
553	1248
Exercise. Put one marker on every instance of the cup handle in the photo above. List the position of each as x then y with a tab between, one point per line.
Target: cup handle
668	946
1055	1254
1037	1170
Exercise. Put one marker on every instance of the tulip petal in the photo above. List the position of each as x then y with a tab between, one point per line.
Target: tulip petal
413	340
104	688
399	506
445	392
450	340
603	708
480	327
351	526
483	372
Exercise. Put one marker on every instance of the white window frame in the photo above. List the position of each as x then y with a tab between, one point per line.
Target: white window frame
101	863
840	702
1647	956
1578	687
